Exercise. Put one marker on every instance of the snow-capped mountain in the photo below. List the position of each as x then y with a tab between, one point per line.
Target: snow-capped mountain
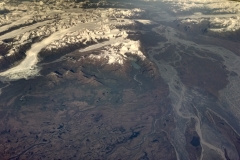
44	26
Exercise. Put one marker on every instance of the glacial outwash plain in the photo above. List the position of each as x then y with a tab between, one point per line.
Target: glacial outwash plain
120	80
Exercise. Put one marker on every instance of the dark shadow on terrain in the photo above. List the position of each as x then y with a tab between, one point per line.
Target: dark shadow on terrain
4	11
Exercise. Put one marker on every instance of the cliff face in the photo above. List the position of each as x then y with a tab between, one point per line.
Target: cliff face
4	62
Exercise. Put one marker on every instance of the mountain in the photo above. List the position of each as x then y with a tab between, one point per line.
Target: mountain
119	79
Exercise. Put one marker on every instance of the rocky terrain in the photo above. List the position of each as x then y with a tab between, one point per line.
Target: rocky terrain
57	27
119	80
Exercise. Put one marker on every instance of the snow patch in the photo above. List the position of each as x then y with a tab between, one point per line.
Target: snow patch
144	21
223	15
225	25
217	24
216	6
116	53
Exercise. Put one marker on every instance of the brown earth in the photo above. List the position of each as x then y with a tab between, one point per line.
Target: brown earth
84	109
